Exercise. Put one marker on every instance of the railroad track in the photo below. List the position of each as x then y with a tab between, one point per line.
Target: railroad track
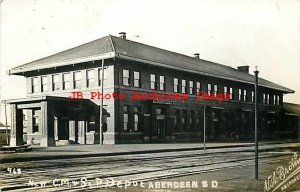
137	168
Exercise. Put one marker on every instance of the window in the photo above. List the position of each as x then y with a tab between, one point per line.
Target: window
183	86
125	118
35	84
162	83
264	98
35	119
136	79
268	98
90	78
192	120
175	85
55	82
44	83
231	92
152	81
184	118
136	122
274	99
77	80
240	94
209	89
245	95
198	87
126	77
100	76
177	119
225	90
252	96
66	81
136	118
191	88
215	90
278	100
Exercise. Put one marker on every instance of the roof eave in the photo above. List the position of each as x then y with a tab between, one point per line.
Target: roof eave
121	56
21	71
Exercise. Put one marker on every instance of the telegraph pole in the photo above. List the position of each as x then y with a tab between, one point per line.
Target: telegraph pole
256	122
204	127
101	105
6	131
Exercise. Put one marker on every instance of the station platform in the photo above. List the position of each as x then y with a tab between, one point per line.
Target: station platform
96	150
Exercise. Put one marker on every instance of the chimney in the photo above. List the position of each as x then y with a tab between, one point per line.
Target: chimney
197	55
244	69
122	35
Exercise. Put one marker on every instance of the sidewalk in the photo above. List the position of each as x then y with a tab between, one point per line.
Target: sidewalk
79	151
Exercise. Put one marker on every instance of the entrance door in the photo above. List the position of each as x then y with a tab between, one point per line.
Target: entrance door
161	131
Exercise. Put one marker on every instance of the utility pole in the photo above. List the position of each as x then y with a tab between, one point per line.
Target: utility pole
101	105
6	131
256	122
204	127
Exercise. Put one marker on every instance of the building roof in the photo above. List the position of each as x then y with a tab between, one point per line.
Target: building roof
291	108
115	47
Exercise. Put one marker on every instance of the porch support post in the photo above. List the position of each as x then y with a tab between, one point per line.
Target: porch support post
47	124
82	132
16	134
29	126
72	130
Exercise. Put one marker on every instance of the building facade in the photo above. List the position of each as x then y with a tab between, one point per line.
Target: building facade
150	95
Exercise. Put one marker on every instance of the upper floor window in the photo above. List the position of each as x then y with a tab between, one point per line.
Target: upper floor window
240	94
152	81
191	88
100	75
176	85
90	78
245	95
183	86
268	98
136	79
264	98
35	84
77	80
55	82
44	83
198	87
66	81
231	92
126	77
209	89
215	90
252	96
162	83
278	100
225	90
274	99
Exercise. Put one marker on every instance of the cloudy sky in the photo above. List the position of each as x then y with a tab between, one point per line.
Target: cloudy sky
231	32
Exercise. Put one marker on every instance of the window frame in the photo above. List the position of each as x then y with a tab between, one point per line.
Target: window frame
153	82
77	82
126	83
136	80
66	82
175	85
44	86
91	82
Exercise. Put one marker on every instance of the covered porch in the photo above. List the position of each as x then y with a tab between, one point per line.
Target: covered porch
50	121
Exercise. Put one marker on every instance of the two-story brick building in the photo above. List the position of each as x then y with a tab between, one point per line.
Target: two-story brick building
134	67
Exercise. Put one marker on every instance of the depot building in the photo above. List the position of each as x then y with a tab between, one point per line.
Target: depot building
53	118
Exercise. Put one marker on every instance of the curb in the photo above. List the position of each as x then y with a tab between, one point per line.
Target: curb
35	158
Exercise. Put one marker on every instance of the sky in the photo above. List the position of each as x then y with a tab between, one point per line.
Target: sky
263	33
